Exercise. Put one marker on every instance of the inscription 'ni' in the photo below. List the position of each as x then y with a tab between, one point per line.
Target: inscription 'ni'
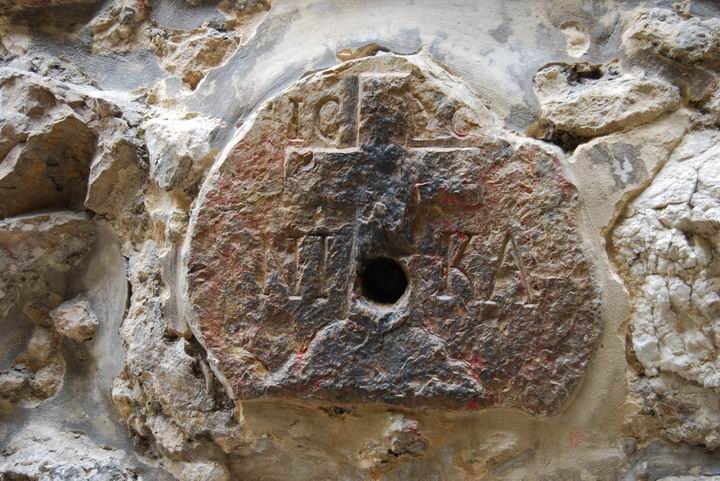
298	266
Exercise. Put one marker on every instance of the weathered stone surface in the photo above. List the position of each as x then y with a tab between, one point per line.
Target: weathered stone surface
589	100
238	9
52	69
7	6
41	453
75	319
35	375
662	31
666	247
118	28
191	54
33	246
336	195
58	139
712	107
167	396
623	163
115	177
662	461
199	471
35	252
162	87
402	440
188	53
495	451
675	409
577	39
691	478
14	39
179	149
46	148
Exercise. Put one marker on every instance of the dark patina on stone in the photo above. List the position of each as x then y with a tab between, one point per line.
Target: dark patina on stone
373	237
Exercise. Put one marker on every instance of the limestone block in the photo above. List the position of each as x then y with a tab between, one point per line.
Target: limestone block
675	409
691	478
33	245
179	149
199	471
45	171
369	215
666	245
55	239
75	319
190	55
666	248
36	374
115	177
45	453
590	100
402	440
33	249
118	28
8	6
664	32
46	147
712	107
167	395
621	164
56	139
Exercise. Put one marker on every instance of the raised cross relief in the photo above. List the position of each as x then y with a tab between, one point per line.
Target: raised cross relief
374	237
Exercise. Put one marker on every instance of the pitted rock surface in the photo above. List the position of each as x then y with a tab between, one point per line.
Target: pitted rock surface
359	179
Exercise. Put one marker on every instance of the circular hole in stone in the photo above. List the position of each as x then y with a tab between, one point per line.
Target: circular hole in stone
382	280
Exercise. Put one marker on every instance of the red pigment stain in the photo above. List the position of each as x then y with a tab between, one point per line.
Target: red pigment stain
576	438
473	405
477	363
299	357
316	384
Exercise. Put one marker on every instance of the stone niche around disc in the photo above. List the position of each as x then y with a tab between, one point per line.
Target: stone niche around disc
375	237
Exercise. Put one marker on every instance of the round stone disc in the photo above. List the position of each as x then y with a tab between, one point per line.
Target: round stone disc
373	236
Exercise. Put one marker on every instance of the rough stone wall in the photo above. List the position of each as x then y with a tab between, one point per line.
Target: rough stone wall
342	240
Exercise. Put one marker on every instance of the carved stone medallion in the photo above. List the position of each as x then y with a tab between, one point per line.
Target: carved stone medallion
374	237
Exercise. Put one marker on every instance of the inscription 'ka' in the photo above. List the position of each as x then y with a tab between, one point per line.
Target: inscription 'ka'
374	236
